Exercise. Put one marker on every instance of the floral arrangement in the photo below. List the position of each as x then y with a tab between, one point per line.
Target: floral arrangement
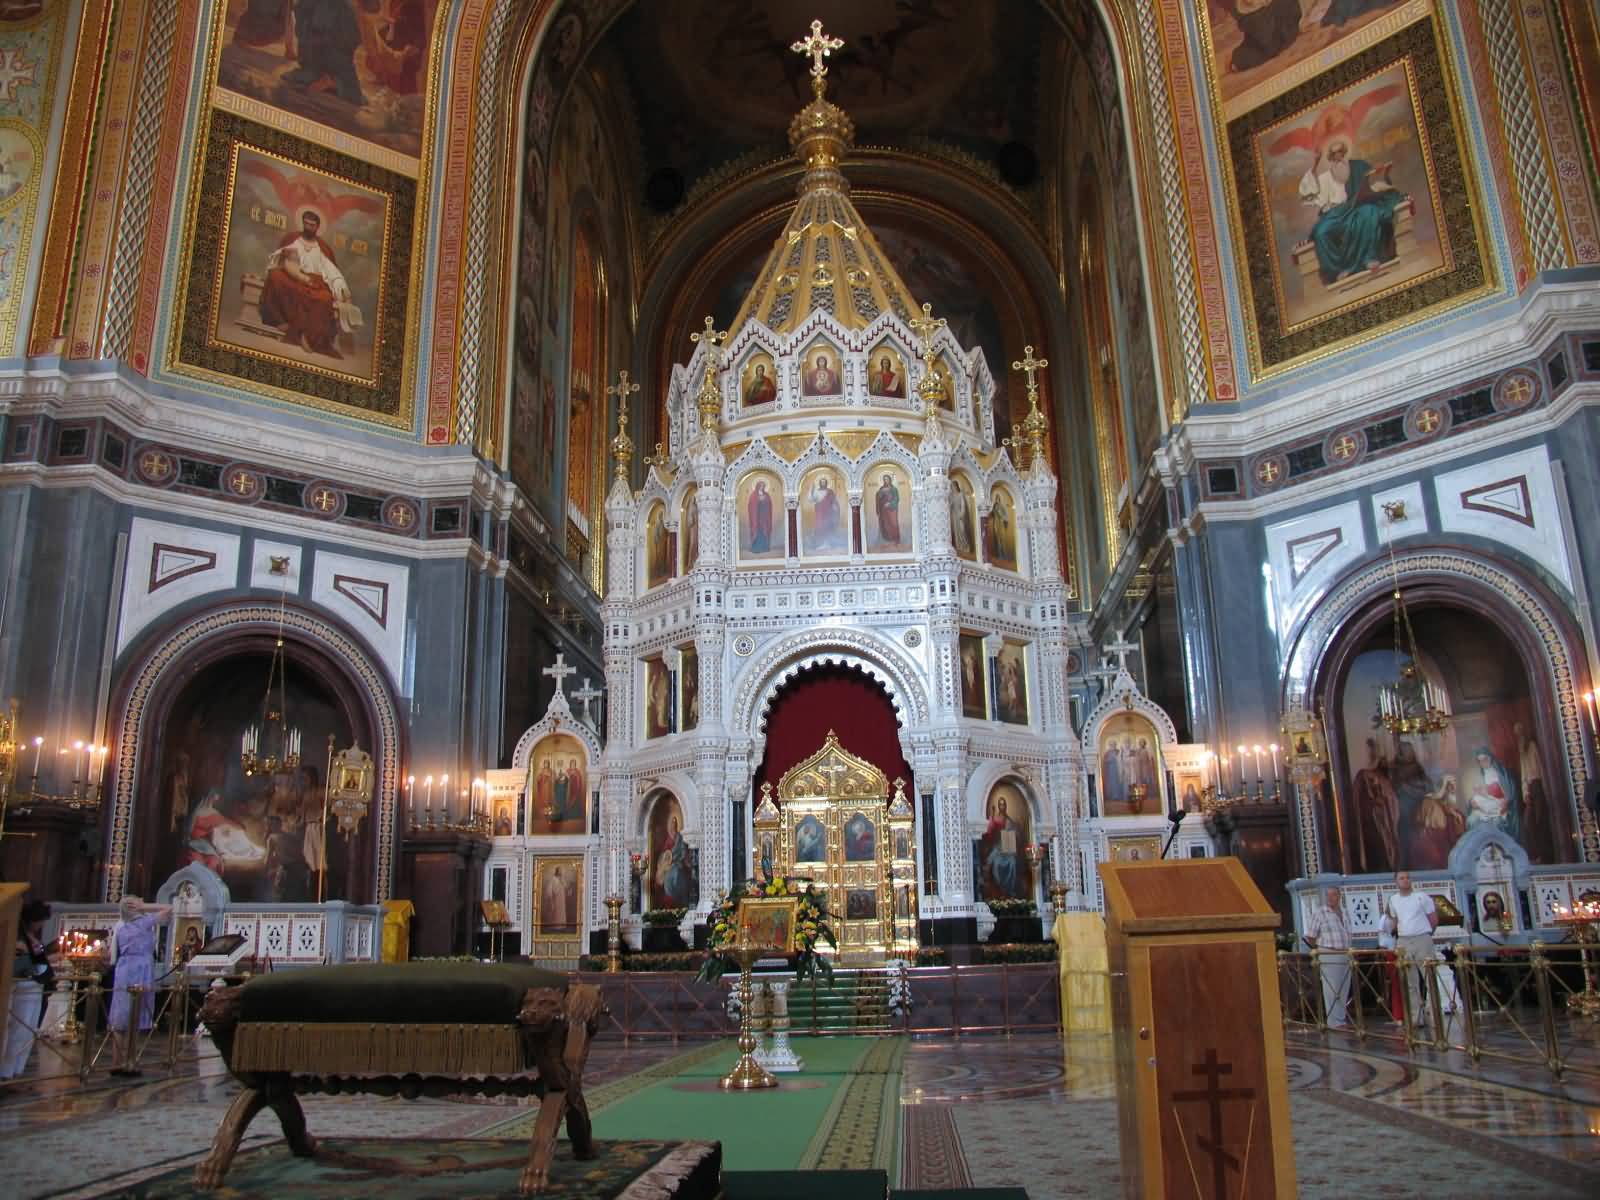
810	930
665	916
1012	908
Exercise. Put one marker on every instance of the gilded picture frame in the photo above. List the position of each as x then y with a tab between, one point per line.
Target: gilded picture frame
1143	848
558	897
1394	106
769	921
339	348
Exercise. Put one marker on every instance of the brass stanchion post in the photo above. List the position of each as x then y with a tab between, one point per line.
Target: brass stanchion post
613	934
1547	1009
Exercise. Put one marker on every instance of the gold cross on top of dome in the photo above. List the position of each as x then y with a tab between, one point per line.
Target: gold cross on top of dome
819	45
622	444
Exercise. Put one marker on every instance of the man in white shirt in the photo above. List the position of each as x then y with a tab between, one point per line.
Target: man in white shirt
1328	934
1414	920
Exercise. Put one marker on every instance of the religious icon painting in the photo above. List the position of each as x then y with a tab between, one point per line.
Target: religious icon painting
689	530
819	371
296	276
860	839
657	698
888	515
758	381
672	871
760	512
945	398
902	843
1000	531
689	677
974	677
557	895
1134	849
1351	189
861	904
1191	791
886	372
1003	870
769	922
1011	683
810	840
657	547
824	510
505	823
1130	767
557	789
963	517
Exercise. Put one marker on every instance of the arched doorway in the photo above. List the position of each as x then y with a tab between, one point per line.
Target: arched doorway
262	833
831	697
1400	802
158	674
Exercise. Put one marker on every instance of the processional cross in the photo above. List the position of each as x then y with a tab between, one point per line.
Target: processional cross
710	400
925	326
559	671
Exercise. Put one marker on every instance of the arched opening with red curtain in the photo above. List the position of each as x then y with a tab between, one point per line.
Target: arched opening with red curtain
843	699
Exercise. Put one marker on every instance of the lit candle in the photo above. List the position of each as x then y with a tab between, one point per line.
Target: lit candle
427	803
38	744
78	767
411	797
1244	783
1256	750
1275	776
444	799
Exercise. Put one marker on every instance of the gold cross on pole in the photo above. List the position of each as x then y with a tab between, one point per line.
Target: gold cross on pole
931	389
709	401
819	45
1031	432
622	444
1031	365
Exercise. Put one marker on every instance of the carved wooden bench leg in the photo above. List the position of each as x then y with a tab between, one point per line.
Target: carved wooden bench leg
563	1025
225	1144
293	1119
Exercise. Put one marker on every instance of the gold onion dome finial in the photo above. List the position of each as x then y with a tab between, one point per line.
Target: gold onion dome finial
820	132
826	258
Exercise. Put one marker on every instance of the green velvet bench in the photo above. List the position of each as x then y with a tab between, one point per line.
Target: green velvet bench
408	1029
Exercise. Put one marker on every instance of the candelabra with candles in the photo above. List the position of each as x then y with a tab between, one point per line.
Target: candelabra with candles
471	815
85	760
1582	917
1242	780
1410	703
87	952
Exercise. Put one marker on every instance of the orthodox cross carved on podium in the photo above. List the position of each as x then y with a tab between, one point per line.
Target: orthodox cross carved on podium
587	695
1213	1094
559	671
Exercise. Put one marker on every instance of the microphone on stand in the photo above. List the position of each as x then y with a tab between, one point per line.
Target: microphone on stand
1177	819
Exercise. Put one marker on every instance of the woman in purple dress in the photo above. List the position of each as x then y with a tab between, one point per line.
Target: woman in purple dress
135	941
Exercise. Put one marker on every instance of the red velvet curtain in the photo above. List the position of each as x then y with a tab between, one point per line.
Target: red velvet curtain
844	700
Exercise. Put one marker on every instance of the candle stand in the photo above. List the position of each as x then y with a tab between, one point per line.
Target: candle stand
747	1074
1582	918
613	934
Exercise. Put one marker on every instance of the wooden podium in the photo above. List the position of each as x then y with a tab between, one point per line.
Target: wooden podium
1202	1089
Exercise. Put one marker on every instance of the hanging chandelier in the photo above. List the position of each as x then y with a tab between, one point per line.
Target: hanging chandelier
282	741
1410	703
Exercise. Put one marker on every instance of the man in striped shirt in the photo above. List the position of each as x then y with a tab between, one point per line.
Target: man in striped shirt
1326	931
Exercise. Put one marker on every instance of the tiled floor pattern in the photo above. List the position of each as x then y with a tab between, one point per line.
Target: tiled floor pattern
1369	1119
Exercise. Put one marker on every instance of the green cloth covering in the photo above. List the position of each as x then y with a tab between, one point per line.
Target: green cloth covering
457	993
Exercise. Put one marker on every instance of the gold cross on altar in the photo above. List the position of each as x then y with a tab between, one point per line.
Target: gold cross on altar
819	45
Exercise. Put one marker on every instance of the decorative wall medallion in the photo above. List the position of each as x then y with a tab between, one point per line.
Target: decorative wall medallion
241	483
155	467
1427	421
912	638
1516	390
400	513
324	500
1270	471
744	645
1345	447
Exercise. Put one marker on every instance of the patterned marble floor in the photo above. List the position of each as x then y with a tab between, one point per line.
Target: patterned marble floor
1369	1119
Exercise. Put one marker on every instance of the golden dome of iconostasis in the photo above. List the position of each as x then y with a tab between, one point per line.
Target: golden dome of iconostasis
962	175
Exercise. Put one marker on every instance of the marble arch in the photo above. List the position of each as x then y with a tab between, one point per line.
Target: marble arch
152	667
787	657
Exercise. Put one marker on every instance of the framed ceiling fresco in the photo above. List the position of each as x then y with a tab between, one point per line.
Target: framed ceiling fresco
1353	203
353	75
297	273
